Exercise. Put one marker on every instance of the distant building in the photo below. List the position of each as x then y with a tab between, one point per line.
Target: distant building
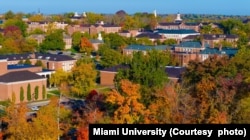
107	75
129	50
177	34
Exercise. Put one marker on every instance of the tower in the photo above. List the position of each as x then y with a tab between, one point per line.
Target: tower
99	36
178	18
155	14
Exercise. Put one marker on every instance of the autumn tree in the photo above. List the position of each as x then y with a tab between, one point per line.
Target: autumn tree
86	46
82	77
76	40
127	107
60	79
22	26
47	119
18	128
165	108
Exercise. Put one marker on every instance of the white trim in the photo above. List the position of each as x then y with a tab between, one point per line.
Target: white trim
21	82
108	71
3	60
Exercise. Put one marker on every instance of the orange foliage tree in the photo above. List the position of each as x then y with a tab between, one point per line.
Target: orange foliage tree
86	46
164	109
128	109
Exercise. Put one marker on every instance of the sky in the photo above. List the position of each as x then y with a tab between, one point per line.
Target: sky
219	7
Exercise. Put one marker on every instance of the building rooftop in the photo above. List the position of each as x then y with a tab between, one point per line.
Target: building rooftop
20	66
176	31
116	68
227	51
190	44
174	72
18	76
147	48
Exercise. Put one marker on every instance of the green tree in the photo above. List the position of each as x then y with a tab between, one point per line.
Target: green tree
19	23
44	92
36	92
76	40
29	92
39	63
53	41
21	94
114	40
9	15
82	78
110	57
27	61
93	18
148	71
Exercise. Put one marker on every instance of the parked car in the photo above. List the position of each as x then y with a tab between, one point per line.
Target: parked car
34	108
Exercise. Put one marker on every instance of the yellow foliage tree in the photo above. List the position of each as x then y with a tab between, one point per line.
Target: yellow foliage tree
129	109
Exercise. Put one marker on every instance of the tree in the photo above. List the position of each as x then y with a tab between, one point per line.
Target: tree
9	15
36	92
29	92
93	18
60	79
44	92
21	94
27	61
76	40
39	63
127	108
22	26
53	41
147	70
18	127
114	41
110	57
82	78
86	46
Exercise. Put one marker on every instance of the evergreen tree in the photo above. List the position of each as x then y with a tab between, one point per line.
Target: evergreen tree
28	92
21	94
36	92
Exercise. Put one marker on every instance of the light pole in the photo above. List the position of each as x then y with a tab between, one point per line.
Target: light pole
58	116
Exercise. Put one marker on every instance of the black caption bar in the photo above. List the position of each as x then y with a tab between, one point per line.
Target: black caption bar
169	131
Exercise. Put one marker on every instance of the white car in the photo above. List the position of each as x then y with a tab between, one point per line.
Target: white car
34	108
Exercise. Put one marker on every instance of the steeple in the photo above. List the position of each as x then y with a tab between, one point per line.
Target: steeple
178	18
155	14
99	36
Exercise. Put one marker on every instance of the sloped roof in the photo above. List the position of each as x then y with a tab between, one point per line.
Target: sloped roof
116	68
174	72
168	23
190	44
147	48
216	36
149	35
227	51
51	57
19	76
176	31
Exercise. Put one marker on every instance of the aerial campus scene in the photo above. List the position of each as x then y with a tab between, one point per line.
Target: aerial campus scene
67	64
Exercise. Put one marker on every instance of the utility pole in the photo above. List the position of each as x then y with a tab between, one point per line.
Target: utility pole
58	115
